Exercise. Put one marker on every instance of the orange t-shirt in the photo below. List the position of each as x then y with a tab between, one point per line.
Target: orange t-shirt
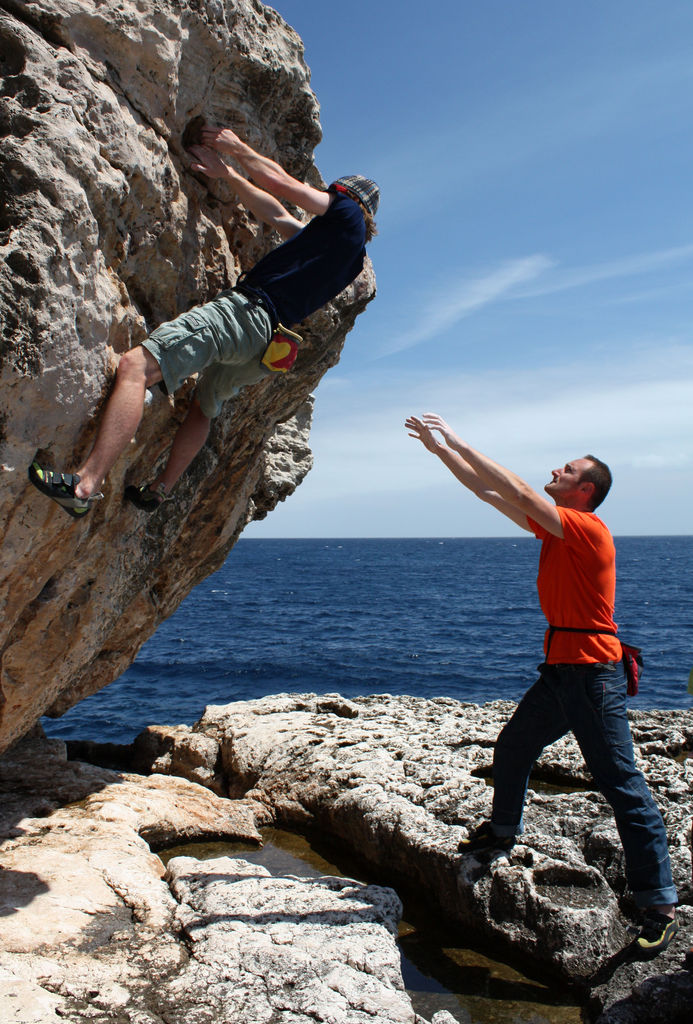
577	586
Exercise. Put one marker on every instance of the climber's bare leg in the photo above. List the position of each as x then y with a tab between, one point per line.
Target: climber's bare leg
137	370
190	437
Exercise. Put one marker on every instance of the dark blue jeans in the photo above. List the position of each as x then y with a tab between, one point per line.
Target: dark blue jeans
590	700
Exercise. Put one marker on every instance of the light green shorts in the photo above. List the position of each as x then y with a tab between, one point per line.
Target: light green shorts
224	340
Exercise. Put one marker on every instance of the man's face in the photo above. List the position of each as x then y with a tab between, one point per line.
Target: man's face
565	487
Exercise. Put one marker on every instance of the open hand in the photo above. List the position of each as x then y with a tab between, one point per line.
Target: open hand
222	139
418	429
209	162
435	422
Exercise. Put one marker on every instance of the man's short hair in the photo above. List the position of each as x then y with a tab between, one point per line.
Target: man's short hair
599	475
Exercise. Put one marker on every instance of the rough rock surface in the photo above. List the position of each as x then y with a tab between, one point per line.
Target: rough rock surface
398	779
93	930
104	234
303	948
90	929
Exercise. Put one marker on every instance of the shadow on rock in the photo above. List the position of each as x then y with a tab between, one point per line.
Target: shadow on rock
18	889
36	779
658	999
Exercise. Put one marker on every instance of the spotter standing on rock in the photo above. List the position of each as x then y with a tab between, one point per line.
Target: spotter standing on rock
238	338
581	686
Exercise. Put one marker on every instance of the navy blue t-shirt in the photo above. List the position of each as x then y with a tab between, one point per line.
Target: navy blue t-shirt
316	264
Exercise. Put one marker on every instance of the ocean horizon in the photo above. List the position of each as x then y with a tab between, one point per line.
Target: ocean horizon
435	616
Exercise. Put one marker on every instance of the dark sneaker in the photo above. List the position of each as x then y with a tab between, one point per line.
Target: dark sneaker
484	840
145	497
656	933
688	959
60	487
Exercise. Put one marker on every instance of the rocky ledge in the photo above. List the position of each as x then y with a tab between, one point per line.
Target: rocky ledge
96	928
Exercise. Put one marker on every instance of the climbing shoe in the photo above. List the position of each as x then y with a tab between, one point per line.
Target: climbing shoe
61	488
484	840
145	497
656	933
688	960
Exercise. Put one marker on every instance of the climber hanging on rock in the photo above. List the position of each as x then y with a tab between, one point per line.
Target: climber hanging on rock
238	338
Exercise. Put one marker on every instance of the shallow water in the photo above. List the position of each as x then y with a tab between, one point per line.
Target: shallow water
439	971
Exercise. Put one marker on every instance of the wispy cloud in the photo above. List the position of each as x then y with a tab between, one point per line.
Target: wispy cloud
447	302
447	305
371	478
628	266
635	414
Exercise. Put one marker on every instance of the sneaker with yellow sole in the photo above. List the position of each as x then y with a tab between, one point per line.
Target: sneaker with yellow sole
656	933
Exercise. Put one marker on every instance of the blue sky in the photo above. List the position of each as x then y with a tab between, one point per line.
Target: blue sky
534	256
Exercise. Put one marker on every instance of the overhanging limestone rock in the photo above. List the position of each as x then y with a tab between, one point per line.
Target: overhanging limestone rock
105	233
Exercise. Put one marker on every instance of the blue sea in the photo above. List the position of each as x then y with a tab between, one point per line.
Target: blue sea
428	617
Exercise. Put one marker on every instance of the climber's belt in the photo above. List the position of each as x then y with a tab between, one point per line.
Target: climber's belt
280	354
259	298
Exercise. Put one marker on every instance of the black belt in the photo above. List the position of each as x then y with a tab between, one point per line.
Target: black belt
571	629
259	298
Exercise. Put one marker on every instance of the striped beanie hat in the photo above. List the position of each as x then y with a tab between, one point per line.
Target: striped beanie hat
361	188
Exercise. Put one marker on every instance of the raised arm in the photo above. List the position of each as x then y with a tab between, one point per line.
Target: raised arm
471	472
263	205
463	472
512	490
266	173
